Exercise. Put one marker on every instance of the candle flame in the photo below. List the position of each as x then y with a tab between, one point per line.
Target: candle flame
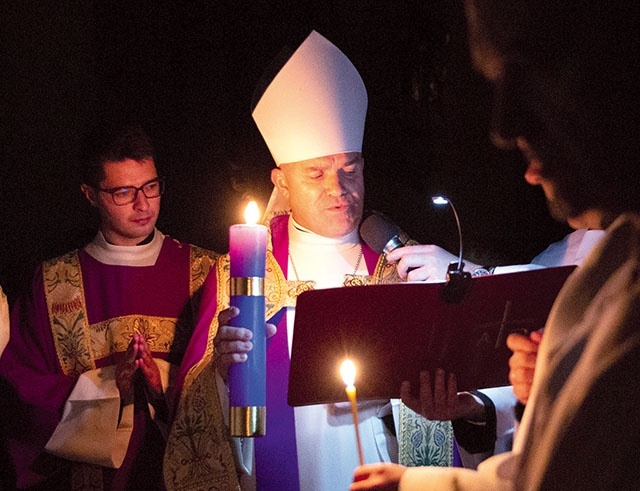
348	372
251	213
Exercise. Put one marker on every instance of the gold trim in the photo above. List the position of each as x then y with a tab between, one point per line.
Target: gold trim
66	307
248	420
201	261
198	455
252	286
114	335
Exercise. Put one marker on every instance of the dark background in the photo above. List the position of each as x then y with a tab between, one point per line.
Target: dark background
187	70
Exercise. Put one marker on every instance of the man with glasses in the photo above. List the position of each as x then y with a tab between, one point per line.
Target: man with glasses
91	352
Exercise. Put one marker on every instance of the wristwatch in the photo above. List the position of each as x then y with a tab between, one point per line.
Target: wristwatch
482	271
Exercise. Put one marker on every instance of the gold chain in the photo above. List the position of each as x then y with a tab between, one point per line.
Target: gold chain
355	270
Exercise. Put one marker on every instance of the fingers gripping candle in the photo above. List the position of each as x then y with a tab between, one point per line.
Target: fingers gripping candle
247	381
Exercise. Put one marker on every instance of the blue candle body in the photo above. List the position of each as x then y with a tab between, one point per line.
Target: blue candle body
247	381
248	250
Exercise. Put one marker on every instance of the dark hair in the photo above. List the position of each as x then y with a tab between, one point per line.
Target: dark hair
112	143
581	71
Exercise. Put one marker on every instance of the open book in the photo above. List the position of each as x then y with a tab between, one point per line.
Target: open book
392	332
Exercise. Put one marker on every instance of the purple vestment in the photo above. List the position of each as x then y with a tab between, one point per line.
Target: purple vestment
119	300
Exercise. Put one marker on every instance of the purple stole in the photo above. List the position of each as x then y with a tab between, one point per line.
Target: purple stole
276	452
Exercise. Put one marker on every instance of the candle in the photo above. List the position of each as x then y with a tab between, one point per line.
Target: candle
348	372
247	381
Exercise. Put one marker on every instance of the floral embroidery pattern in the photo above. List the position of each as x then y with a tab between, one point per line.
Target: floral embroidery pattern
424	442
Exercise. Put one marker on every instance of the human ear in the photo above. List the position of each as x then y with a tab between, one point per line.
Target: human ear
89	193
279	180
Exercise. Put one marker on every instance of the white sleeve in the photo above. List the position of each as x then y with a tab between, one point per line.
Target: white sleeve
501	404
516	268
495	474
504	401
92	429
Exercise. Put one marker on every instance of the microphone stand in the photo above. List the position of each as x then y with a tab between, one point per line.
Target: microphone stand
458	280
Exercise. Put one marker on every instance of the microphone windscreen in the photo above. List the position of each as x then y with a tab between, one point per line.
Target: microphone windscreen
377	230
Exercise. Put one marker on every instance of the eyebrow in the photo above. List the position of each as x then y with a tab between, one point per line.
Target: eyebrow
321	167
157	178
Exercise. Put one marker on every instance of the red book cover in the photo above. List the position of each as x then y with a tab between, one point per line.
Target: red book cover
392	332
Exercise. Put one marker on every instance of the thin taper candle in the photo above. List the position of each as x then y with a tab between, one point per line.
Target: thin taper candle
348	372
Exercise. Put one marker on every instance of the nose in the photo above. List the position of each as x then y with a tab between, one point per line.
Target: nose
533	174
141	202
333	184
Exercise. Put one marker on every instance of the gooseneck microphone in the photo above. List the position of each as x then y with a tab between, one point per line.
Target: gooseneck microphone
381	234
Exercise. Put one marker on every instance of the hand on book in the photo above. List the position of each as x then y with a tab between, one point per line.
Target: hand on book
423	262
439	399
523	362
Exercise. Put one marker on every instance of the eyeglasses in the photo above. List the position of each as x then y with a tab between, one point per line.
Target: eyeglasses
124	195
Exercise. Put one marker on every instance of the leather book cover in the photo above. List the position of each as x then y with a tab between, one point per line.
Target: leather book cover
392	332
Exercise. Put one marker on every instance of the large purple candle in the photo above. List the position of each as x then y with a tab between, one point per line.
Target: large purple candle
247	381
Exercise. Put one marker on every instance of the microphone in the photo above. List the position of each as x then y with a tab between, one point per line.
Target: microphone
458	280
381	234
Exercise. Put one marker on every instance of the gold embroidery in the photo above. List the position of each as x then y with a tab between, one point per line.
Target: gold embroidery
198	454
67	307
357	280
295	288
114	335
275	286
221	270
67	313
385	272
201	260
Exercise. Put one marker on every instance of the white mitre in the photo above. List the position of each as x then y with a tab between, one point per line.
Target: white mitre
315	106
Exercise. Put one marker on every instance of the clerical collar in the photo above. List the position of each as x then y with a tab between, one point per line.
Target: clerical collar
144	254
148	238
302	235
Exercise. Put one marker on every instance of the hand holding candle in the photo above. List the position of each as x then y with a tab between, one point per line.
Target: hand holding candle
348	373
247	381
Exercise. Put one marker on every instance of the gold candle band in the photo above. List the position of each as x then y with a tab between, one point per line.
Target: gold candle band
252	286
248	420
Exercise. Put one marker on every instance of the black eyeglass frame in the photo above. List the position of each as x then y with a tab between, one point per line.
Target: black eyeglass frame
113	191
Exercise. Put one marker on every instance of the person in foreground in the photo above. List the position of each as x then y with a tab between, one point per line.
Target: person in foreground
88	363
483	420
565	78
4	321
